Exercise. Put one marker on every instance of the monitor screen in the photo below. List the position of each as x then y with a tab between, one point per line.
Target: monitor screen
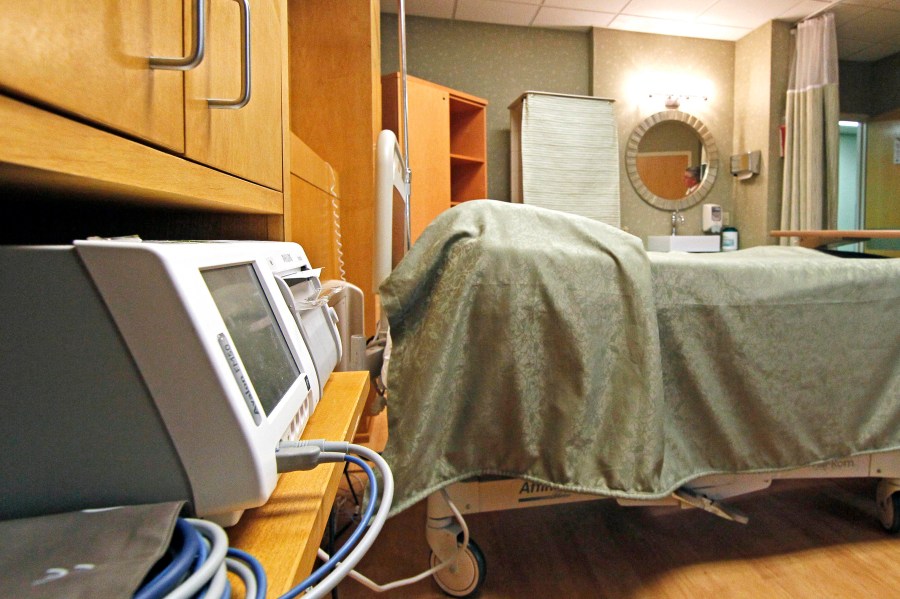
257	337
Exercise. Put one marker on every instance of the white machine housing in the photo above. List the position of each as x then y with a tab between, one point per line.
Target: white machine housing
198	365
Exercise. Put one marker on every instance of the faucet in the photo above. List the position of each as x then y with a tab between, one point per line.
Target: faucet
676	218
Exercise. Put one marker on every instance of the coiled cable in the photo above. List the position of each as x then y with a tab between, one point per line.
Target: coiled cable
198	572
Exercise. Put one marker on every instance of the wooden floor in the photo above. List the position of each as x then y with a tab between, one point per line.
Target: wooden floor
805	539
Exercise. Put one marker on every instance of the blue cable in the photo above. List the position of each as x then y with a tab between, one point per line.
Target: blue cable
181	564
194	553
351	542
258	572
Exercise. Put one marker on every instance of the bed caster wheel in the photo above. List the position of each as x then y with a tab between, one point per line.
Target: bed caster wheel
464	578
889	511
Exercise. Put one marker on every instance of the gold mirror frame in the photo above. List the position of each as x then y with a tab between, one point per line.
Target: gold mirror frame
712	156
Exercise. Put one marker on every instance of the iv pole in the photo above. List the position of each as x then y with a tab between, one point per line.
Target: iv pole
378	349
407	175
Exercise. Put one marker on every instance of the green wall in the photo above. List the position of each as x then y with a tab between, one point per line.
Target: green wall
494	62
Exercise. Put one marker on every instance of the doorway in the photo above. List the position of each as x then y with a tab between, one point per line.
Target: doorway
851	175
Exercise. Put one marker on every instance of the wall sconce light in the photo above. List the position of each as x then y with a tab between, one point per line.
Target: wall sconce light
673	101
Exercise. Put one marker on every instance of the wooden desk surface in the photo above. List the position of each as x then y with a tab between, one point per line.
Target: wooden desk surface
284	534
819	238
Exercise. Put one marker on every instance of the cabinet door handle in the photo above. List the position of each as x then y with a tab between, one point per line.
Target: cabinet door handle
242	100
198	41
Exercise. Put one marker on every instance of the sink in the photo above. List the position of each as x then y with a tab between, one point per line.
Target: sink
683	243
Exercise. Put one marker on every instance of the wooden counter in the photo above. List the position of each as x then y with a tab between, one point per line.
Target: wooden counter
821	238
284	534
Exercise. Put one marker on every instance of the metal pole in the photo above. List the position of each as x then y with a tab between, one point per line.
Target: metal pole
407	177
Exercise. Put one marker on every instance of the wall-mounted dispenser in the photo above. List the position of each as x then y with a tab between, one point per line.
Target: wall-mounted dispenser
744	166
712	218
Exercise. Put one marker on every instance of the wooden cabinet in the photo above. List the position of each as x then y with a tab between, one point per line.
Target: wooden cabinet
315	210
243	141
429	145
447	145
468	147
91	60
335	77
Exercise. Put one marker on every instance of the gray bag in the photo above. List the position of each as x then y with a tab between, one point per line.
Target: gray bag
91	554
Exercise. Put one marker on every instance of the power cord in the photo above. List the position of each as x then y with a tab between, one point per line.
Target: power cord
343	567
200	571
341	553
381	588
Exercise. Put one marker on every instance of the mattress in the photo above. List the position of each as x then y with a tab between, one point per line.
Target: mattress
541	345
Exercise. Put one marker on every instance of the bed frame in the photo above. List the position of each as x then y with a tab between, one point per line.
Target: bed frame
443	531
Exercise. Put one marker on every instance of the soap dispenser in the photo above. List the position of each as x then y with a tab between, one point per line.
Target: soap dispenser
712	219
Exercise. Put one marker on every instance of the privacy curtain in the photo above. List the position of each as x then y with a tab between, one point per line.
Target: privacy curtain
809	194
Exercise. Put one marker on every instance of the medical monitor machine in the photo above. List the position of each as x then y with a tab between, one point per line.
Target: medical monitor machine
140	372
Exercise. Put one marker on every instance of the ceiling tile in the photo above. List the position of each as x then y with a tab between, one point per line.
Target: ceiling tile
848	47
437	9
803	9
610	6
861	24
682	29
740	13
876	25
562	17
844	13
869	3
684	10
491	11
876	52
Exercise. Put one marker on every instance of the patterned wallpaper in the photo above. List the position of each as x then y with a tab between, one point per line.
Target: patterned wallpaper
499	62
763	60
627	67
494	62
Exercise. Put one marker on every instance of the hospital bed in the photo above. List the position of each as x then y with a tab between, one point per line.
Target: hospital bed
539	357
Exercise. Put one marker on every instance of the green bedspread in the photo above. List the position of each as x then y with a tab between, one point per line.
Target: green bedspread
535	344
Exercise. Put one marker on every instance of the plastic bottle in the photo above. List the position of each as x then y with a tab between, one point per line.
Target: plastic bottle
729	239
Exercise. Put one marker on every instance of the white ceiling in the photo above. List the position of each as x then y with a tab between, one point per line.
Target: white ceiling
867	29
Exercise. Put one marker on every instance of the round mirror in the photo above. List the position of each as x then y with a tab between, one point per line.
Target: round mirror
671	160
